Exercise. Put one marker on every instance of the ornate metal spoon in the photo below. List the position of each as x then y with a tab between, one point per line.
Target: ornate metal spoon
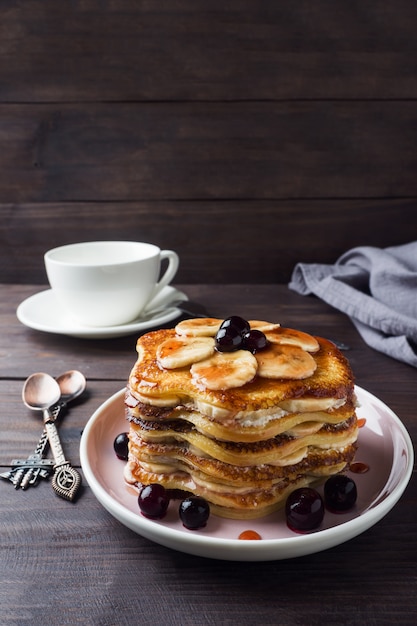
25	473
40	393
72	384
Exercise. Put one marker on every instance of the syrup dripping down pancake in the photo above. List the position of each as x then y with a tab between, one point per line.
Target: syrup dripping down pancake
241	431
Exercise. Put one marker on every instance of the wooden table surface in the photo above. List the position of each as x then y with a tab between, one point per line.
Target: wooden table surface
73	563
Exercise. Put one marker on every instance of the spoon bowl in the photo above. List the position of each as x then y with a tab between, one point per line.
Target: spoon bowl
40	392
72	384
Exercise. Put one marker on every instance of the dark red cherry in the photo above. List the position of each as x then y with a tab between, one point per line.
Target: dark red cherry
120	445
304	509
254	341
231	334
340	493
194	512
153	501
237	323
228	339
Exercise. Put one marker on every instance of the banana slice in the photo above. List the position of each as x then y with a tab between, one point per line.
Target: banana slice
181	351
292	337
285	361
263	326
225	370
198	327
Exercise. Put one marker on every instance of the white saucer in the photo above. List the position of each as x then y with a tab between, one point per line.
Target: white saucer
42	311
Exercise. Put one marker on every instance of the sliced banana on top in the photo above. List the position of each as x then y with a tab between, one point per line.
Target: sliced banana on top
290	336
198	327
287	355
181	351
263	326
225	370
285	361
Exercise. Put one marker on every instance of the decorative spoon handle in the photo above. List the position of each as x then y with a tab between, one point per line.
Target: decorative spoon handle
31	476
23	474
66	480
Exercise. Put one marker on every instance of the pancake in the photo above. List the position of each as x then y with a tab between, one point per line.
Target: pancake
240	428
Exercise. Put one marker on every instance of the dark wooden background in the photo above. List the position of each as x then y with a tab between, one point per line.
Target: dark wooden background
245	135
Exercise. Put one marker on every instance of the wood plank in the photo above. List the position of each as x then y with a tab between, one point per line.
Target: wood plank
240	50
230	242
185	151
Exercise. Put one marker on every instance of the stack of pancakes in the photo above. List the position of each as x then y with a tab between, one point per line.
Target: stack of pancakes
241	430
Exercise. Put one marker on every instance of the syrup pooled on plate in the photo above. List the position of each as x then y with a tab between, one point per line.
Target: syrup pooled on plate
249	535
359	467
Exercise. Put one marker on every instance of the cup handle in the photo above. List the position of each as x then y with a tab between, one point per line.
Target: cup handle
171	270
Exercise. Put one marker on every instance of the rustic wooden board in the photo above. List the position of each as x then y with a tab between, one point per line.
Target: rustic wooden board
182	50
183	151
218	241
247	136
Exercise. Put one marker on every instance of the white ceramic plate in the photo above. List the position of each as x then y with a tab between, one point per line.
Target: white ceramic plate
43	312
384	445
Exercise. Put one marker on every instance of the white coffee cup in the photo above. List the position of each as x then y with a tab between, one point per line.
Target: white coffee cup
108	283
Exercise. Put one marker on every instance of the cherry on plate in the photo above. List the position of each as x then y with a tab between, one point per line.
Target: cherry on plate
304	509
153	501
194	512
340	493
121	446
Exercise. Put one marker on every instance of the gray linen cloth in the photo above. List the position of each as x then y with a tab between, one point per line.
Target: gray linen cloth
377	289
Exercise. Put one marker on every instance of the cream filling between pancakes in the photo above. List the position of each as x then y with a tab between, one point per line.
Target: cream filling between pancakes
256	418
